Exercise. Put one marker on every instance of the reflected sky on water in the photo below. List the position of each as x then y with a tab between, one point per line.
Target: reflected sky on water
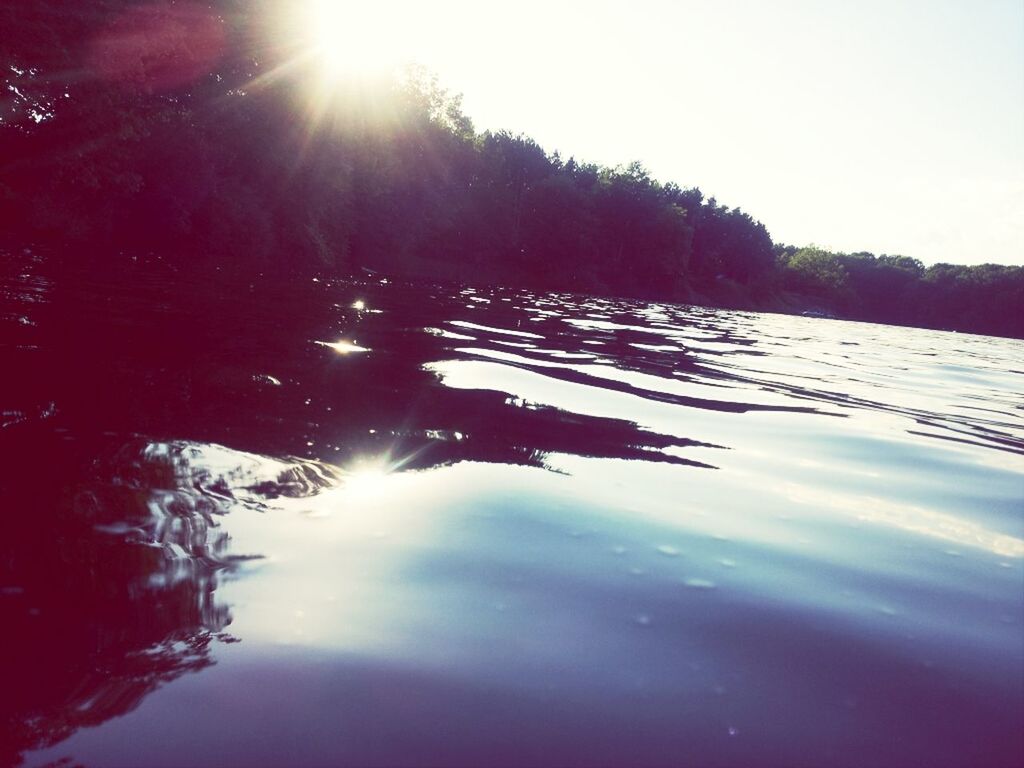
365	523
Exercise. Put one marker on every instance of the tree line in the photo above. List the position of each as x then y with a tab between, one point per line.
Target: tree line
171	130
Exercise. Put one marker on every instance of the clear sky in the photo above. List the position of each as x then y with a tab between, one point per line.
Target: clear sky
895	126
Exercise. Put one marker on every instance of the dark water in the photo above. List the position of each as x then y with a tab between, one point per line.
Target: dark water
362	523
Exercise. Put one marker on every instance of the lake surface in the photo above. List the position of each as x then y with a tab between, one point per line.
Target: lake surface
373	524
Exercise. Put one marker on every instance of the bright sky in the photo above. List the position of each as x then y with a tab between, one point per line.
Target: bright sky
895	126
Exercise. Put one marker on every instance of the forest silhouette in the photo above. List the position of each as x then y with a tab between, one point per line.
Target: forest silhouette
175	132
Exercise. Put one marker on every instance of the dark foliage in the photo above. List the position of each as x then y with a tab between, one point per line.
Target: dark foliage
987	298
182	131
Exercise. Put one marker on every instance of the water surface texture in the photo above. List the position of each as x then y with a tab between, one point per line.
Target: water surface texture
365	523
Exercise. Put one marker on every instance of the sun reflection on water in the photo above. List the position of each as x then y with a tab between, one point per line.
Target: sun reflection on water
343	347
367	478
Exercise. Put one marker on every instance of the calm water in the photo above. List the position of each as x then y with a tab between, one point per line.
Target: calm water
364	523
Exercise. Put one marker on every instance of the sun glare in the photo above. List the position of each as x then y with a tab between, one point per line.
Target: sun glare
353	39
367	479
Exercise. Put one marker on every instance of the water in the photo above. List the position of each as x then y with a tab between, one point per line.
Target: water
365	523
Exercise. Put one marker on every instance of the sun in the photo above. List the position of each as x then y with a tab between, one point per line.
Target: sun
350	60
355	40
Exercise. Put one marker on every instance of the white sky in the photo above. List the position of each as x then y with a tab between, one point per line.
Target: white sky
895	126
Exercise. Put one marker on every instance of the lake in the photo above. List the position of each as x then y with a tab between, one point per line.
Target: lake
329	522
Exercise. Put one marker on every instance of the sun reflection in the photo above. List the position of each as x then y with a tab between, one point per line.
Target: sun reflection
344	347
367	477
